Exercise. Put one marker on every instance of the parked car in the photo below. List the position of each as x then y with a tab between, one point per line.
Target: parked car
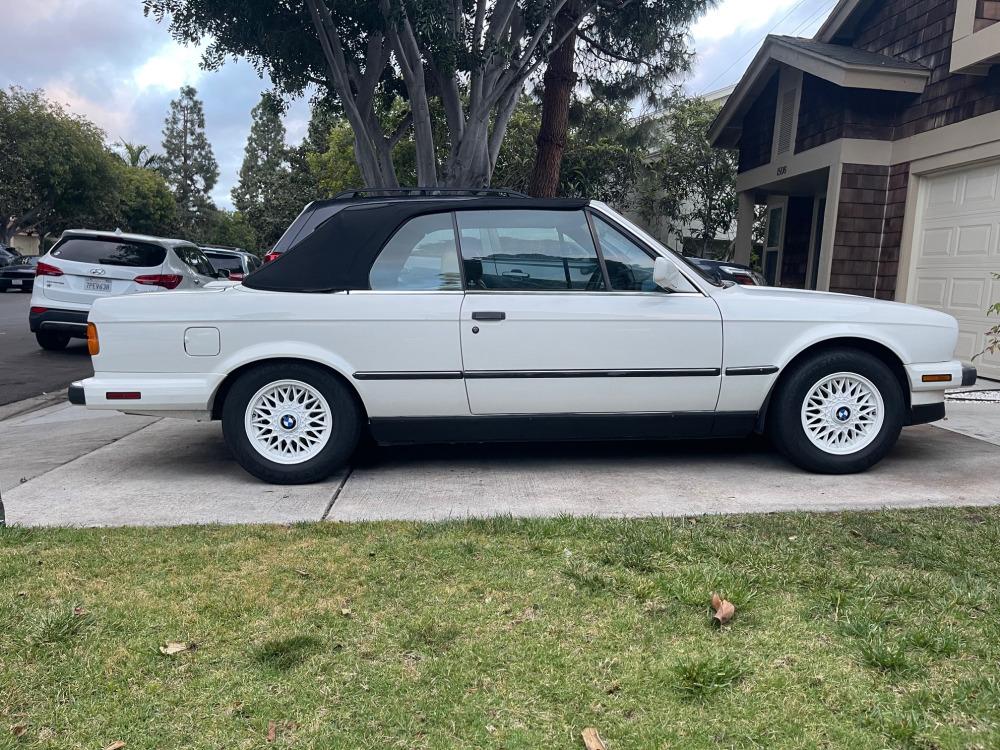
9	256
484	318
87	265
726	271
19	276
237	264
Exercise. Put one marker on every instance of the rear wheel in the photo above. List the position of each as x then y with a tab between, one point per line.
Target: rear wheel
52	340
290	423
838	412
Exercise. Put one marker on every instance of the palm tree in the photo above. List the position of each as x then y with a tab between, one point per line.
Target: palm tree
137	155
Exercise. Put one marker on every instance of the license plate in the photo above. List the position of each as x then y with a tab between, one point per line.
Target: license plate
16	282
97	285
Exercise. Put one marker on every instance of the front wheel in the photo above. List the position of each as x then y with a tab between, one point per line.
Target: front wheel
290	423
838	412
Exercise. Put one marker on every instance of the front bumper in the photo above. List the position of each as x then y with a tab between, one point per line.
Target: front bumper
957	374
969	375
73	322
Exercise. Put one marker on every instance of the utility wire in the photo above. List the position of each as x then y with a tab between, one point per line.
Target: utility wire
756	45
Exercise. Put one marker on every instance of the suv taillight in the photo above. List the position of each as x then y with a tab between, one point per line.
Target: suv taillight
45	269
271	256
166	280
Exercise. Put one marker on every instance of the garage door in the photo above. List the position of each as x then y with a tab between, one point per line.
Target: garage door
958	251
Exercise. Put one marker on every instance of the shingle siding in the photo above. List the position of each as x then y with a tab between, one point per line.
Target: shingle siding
921	32
867	242
758	129
828	112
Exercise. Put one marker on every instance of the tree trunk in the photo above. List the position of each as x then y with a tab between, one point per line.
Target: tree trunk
559	80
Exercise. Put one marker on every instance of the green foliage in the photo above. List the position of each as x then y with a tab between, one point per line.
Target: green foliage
335	168
145	203
137	155
602	155
688	186
56	169
231	228
188	163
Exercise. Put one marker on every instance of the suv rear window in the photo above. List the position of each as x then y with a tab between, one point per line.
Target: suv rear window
224	262
108	252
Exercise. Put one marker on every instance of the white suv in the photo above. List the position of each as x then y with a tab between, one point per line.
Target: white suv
86	265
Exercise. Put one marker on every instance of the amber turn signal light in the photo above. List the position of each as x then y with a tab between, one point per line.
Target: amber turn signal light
93	345
936	378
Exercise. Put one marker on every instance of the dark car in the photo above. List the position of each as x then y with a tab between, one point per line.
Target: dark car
725	271
236	262
20	275
9	256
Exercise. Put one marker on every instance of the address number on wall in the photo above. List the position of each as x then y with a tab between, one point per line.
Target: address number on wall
782	171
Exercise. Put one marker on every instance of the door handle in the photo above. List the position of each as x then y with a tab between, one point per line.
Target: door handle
489	316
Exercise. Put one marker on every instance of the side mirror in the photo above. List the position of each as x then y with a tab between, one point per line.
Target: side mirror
667	276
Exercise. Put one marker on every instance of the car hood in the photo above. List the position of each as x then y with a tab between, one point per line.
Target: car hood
772	303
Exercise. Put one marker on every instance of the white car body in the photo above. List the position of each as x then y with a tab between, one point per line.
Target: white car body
68	297
413	356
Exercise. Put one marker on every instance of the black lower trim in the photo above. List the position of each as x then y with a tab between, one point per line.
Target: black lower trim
735	371
571	427
71	322
925	413
549	374
76	395
408	375
508	374
969	375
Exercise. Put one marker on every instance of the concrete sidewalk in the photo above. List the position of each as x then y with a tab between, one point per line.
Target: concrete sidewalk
66	466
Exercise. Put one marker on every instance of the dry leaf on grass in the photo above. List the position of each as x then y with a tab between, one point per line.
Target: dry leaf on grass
79	612
116	745
177	648
18	729
592	739
272	731
724	610
303	573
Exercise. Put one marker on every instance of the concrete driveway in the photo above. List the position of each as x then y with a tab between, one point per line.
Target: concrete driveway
84	468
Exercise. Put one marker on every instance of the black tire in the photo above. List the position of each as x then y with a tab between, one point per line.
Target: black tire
344	433
785	420
51	340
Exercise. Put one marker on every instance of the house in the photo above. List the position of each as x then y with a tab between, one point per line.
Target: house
876	148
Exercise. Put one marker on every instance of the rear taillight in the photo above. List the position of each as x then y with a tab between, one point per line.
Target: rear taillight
166	280
93	345
45	269
39	310
271	256
745	279
236	277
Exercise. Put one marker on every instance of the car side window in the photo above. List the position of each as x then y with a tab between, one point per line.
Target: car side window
421	256
529	250
630	268
195	259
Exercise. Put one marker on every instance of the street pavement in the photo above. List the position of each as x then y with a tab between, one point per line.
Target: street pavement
26	369
78	468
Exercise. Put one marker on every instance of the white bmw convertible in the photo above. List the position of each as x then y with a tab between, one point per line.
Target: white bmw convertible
484	317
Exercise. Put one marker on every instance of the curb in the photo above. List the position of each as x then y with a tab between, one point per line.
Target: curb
20	408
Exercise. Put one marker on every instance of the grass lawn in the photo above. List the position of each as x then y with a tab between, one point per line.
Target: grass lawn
852	631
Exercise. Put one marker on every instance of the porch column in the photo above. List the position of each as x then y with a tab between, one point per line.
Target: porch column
744	228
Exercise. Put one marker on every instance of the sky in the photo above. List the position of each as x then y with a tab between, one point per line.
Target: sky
103	59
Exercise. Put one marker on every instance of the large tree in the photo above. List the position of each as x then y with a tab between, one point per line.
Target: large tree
56	169
188	163
471	58
145	203
620	51
261	192
689	188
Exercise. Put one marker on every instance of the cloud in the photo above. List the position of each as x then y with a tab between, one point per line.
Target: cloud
732	17
173	66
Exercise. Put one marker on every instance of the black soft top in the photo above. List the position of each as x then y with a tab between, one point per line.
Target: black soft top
339	253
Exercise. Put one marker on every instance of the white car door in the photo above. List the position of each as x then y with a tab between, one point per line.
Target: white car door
546	329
